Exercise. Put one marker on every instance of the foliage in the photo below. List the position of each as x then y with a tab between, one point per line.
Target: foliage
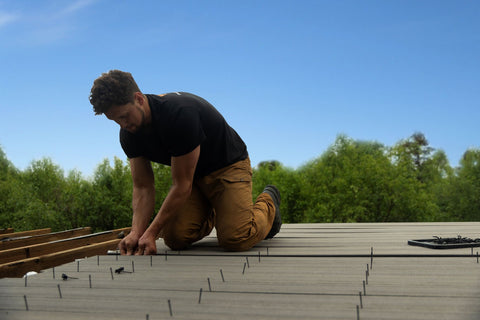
352	181
288	183
112	196
356	181
462	193
163	182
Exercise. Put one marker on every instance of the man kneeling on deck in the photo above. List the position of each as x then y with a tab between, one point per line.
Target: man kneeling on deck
211	171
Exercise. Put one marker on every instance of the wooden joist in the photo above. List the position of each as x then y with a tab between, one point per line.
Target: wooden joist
38	250
41	238
24	233
21	267
7	230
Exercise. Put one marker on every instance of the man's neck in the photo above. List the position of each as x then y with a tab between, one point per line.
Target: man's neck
147	110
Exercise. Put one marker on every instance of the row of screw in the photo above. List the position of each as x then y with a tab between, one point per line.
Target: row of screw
365	283
122	270
247	263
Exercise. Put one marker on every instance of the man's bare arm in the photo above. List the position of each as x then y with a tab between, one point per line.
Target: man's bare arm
183	170
143	202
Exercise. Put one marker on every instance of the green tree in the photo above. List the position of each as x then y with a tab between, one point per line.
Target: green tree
415	159
39	193
349	182
424	161
112	196
463	201
44	180
77	200
8	190
6	167
163	182
288	183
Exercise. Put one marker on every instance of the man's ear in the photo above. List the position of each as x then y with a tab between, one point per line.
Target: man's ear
138	96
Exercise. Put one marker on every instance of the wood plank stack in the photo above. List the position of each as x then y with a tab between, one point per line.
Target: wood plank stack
36	250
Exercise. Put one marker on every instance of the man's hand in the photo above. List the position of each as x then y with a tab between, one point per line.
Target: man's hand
129	244
146	245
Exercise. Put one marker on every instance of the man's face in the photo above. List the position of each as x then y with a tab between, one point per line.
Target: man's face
130	116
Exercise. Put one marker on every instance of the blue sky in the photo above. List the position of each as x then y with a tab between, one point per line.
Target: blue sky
289	76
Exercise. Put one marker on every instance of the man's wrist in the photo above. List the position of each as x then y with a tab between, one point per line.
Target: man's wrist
135	233
150	233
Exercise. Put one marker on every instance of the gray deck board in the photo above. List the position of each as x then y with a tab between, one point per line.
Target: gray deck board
350	239
308	272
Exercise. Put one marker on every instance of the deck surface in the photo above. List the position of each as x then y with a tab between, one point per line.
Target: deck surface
309	271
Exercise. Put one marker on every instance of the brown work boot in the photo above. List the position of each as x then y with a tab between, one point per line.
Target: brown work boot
277	222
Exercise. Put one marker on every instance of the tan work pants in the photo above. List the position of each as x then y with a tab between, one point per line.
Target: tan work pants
223	200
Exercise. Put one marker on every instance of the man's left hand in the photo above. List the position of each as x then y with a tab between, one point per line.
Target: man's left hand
146	245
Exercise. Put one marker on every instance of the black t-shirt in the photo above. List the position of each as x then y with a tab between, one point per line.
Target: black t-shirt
182	121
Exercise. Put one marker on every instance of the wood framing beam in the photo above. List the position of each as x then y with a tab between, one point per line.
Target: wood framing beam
40	249
30	240
25	233
7	230
18	268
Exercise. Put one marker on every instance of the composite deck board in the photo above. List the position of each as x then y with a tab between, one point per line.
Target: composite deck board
352	239
306	272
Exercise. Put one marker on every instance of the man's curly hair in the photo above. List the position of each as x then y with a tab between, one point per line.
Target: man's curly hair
113	88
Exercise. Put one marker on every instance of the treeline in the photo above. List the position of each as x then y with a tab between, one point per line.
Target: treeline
352	181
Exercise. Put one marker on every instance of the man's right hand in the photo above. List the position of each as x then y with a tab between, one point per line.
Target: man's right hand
129	244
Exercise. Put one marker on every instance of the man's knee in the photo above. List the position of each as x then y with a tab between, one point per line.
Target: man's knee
176	244
177	239
235	244
181	236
